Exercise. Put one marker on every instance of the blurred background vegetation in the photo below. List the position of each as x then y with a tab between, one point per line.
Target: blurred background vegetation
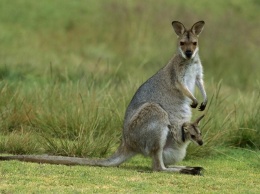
68	69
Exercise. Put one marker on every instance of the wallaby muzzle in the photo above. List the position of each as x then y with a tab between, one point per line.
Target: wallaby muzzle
188	54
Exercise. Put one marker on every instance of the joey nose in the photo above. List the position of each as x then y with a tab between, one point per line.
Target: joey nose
188	53
200	143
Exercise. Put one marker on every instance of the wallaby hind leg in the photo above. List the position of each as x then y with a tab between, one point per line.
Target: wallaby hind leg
148	131
158	165
157	158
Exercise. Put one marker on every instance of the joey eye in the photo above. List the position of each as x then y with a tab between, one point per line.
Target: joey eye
182	43
194	43
193	136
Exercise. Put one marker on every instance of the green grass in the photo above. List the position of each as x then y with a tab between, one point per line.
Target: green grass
233	171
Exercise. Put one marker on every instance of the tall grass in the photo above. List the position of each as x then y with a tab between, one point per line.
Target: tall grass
67	118
69	68
59	120
248	132
229	123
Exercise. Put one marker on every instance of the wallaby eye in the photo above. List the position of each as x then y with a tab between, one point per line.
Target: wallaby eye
182	43
194	43
193	136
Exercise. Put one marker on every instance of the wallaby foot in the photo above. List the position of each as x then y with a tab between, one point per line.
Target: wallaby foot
183	170
192	170
186	170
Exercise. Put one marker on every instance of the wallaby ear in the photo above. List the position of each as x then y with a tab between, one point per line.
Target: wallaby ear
178	28
198	119
197	27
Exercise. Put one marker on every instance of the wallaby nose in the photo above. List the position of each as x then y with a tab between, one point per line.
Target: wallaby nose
188	53
200	143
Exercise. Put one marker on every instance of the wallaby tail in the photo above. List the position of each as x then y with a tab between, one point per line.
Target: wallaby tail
120	156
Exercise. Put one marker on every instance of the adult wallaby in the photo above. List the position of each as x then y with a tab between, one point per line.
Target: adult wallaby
157	120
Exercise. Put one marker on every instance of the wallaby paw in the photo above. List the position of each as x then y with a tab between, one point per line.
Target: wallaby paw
202	107
194	104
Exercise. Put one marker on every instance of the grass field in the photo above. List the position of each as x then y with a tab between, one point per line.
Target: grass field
68	70
237	173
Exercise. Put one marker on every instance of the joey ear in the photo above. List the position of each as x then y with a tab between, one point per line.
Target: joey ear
197	27
178	28
198	119
185	127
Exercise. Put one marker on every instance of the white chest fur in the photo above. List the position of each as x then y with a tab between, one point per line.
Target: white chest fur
190	77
